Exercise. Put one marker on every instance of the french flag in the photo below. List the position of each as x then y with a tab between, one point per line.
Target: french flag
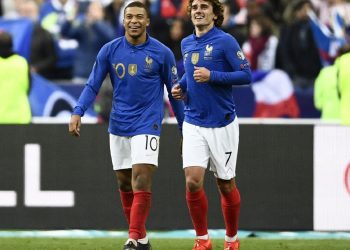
274	95
327	43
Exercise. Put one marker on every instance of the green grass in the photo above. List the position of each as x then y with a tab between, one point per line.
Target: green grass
165	244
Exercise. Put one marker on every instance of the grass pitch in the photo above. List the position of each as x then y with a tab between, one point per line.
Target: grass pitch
165	244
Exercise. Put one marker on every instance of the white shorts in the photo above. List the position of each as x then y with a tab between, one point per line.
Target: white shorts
138	149
218	146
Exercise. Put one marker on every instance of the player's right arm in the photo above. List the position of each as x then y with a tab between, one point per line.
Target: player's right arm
93	85
90	91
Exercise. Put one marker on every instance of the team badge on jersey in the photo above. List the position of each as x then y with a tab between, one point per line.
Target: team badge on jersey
149	62
240	55
119	70
208	52
132	69
194	58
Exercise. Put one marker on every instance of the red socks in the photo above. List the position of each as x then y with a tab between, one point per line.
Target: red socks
198	207
136	208
126	199
139	212
230	204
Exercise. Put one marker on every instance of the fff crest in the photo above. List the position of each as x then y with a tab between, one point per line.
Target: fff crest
149	62
208	50
194	58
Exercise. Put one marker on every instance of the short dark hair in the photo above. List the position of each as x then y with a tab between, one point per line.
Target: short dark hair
218	10
5	43
140	5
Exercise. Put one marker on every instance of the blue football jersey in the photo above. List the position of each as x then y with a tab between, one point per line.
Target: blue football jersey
211	104
138	75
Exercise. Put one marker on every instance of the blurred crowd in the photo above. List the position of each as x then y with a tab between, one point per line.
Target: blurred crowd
299	37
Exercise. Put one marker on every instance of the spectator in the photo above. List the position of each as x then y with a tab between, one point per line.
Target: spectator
235	20
339	12
14	84
42	51
178	30
261	46
92	32
342	64
297	53
234	14
326	97
276	8
112	13
173	8
9	8
332	89
254	8
53	14
168	10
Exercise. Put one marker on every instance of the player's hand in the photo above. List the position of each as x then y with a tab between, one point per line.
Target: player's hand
201	74
74	125
177	93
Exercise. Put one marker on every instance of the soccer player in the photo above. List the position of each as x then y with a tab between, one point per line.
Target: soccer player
138	66
213	63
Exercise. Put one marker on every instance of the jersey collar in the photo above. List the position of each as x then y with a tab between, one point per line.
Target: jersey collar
207	35
139	46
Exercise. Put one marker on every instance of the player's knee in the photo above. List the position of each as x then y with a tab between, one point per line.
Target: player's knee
142	183
124	180
193	184
125	186
226	186
225	189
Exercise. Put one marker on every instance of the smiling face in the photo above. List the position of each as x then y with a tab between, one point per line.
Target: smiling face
135	23
202	15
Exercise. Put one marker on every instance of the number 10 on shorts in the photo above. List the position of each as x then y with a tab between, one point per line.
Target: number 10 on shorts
151	143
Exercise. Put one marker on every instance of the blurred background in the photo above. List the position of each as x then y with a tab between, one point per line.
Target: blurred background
292	47
294	159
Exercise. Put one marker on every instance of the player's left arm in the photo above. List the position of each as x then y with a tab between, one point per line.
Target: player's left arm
240	74
171	78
